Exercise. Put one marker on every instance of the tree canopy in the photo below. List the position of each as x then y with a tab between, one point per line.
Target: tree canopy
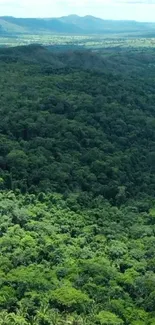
77	181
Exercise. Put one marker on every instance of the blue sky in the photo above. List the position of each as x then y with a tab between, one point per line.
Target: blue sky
140	10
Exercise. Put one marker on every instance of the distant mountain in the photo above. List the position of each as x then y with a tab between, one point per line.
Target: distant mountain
35	25
71	24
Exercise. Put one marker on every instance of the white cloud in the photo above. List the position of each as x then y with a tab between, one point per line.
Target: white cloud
109	9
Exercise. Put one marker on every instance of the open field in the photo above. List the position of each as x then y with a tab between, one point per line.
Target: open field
93	41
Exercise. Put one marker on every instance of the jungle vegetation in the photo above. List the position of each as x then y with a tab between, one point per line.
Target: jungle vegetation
77	187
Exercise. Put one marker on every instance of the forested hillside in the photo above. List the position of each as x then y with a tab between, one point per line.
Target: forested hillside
78	122
77	182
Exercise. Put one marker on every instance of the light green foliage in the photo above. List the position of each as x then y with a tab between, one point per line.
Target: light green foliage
71	298
57	263
107	318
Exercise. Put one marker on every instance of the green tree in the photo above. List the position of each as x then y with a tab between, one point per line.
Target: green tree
108	318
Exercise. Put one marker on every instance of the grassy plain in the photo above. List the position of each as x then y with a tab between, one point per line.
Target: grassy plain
93	41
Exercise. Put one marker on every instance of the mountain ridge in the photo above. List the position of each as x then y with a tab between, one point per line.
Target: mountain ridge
72	24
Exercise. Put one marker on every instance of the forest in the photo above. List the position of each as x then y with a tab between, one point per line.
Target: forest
77	186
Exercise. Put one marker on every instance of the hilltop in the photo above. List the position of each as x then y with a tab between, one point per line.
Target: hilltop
71	24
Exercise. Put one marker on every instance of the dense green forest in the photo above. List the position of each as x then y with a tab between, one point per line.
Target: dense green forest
77	187
78	122
63	264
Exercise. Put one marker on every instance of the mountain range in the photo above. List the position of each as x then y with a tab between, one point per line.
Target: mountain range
72	24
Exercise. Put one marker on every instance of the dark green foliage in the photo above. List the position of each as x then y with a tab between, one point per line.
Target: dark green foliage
77	217
67	129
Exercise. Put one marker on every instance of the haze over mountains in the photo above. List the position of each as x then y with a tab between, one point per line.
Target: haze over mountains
71	24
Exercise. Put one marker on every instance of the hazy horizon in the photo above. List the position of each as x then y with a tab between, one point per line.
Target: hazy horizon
139	10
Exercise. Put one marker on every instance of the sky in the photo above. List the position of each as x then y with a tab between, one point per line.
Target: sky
140	10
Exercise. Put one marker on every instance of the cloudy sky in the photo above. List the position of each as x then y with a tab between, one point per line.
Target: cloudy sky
141	10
